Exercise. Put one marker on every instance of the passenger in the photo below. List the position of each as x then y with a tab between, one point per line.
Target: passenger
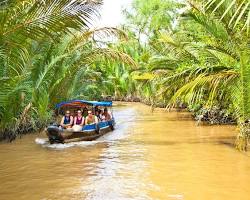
106	115
67	120
91	119
85	112
97	114
100	114
78	121
96	109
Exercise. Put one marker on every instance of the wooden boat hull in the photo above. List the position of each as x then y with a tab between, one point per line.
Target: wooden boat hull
89	133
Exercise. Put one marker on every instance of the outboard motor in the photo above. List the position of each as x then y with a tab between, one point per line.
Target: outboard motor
53	133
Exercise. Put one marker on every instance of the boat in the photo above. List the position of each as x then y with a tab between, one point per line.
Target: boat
88	133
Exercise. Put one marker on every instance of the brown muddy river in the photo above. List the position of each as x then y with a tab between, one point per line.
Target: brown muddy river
156	155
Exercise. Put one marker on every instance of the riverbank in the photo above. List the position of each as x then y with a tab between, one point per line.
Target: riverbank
202	114
203	117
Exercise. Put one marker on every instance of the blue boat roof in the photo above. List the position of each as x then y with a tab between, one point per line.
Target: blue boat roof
84	102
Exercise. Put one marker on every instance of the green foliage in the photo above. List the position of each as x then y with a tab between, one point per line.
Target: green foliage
49	54
235	13
196	52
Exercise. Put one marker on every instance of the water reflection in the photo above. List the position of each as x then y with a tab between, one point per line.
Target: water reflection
117	173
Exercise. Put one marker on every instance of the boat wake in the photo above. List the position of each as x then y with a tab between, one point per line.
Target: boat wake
108	138
45	143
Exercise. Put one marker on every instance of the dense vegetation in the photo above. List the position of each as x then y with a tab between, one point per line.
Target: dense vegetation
192	54
49	53
198	55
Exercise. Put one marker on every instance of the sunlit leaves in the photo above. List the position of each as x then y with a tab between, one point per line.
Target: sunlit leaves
237	12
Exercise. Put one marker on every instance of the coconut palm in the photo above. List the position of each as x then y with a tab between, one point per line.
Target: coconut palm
24	25
201	60
236	14
218	66
47	54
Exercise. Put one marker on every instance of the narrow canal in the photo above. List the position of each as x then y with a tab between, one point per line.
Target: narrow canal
156	155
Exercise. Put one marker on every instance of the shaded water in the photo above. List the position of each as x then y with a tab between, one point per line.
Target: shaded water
149	156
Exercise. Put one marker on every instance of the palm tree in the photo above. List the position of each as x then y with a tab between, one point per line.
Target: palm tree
23	25
199	56
237	16
218	66
234	13
47	51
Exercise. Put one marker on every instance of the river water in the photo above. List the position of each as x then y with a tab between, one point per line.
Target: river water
158	155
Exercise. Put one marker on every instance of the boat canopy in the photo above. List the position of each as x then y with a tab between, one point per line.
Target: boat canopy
82	103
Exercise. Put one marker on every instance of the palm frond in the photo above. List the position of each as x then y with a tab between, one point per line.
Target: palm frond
237	10
211	84
110	54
